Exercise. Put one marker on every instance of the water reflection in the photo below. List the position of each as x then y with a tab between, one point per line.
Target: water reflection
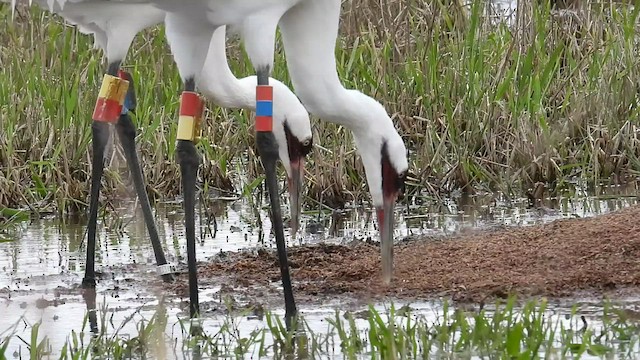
53	246
89	296
43	266
496	210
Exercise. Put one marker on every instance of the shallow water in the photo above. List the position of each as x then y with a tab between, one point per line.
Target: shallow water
45	259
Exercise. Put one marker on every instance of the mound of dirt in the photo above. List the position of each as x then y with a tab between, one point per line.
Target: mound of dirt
556	259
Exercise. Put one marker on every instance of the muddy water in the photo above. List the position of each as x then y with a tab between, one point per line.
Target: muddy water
44	263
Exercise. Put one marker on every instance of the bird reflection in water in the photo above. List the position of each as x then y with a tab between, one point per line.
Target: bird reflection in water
89	296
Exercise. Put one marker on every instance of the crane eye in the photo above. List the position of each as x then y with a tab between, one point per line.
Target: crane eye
306	142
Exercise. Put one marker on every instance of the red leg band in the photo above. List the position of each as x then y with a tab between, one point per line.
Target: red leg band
264	123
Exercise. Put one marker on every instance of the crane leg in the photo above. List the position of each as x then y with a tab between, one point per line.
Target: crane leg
115	100
268	150
126	133
89	296
99	138
191	108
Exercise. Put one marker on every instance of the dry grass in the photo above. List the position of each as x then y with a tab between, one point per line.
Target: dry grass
480	104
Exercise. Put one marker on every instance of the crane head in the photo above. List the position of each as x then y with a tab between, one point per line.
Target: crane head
392	187
292	130
384	157
297	149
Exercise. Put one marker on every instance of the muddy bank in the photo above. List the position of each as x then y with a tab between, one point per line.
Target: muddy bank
597	255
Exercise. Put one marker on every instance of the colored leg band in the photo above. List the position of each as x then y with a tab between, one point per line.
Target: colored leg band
166	269
126	106
264	108
191	113
110	99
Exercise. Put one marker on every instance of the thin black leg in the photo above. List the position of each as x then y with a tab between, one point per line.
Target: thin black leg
89	296
100	137
126	134
189	161
268	150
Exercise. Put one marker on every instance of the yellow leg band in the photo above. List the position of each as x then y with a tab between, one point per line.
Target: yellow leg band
113	88
189	128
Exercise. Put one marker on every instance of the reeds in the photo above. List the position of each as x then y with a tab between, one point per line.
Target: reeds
509	330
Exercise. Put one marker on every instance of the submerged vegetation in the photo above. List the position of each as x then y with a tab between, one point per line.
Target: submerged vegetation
507	331
482	103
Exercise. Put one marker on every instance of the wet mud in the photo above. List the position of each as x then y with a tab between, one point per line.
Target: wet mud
597	256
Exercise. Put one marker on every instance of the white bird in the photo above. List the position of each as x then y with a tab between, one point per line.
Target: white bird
114	26
292	129
309	30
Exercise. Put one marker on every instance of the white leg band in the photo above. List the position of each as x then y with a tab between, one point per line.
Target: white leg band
166	269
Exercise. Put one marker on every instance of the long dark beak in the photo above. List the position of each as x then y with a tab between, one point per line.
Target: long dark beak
295	188
385	223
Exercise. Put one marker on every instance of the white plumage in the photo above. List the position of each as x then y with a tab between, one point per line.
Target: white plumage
114	25
309	29
218	84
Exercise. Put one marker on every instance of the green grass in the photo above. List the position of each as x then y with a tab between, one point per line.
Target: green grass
509	331
484	106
